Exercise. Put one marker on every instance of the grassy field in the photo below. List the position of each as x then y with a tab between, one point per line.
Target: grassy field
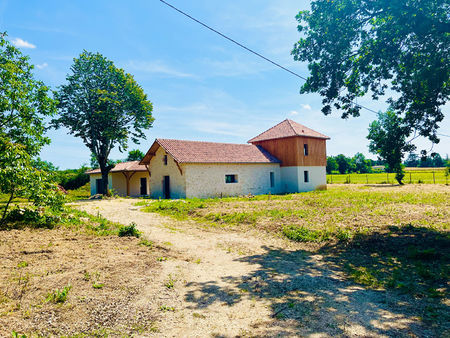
412	175
384	237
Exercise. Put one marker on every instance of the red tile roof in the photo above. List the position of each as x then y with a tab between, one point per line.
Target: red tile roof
287	128
210	152
120	167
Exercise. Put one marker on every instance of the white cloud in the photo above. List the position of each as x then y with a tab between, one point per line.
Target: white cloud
18	42
157	67
306	106
293	113
221	128
42	65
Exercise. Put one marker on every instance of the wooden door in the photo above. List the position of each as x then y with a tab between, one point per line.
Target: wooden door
166	187
143	186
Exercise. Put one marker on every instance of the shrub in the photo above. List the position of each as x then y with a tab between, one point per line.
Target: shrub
32	217
129	231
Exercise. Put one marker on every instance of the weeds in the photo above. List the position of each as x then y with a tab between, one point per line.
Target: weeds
129	231
302	234
147	243
59	296
170	283
165	308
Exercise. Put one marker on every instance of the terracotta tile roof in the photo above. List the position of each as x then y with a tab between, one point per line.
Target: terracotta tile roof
287	128
211	152
123	166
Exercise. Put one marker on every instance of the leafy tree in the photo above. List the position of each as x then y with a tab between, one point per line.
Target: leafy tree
104	106
343	163
24	101
360	164
135	155
438	161
387	137
365	46
331	164
19	179
412	160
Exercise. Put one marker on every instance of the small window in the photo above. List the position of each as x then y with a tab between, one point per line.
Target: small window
305	149
272	179
231	179
306	174
165	160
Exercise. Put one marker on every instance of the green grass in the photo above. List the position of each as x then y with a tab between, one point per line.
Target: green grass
411	176
81	193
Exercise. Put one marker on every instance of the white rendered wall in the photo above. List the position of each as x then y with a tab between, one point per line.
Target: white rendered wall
159	170
135	183
208	180
293	178
92	180
119	183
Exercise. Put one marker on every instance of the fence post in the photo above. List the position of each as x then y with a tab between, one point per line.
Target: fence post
387	178
367	179
434	181
409	177
331	178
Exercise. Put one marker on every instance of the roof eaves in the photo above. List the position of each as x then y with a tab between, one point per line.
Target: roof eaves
168	151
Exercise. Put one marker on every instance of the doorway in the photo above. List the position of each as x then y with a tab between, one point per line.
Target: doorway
166	187
143	186
99	186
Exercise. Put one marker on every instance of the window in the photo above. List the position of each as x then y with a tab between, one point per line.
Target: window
306	176
165	160
231	179
305	149
272	179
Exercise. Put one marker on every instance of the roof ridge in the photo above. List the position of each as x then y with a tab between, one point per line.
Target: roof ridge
290	125
265	131
195	141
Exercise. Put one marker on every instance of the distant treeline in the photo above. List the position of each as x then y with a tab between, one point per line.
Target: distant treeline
68	179
342	164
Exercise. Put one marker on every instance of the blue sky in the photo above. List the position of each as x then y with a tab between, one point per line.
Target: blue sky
202	86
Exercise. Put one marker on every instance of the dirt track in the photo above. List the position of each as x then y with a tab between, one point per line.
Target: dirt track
234	284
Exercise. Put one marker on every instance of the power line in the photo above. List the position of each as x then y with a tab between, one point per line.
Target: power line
256	53
247	49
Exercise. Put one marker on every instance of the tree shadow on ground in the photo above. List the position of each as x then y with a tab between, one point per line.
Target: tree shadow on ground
391	284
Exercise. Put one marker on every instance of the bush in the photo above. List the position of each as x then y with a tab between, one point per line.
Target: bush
32	217
73	179
129	231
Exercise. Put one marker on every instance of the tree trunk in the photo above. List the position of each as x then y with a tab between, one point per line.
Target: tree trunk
6	208
105	169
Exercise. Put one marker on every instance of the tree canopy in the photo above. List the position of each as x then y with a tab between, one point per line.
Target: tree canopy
388	141
24	101
363	46
104	106
135	155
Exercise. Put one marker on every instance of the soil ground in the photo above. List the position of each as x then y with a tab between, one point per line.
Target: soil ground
198	280
251	284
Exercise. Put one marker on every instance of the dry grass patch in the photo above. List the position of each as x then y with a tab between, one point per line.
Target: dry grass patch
60	282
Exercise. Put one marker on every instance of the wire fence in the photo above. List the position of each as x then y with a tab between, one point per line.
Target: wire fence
411	177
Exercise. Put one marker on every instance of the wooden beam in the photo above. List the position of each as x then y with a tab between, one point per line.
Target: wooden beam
179	168
127	178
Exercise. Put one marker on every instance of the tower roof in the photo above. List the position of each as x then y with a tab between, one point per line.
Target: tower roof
288	128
